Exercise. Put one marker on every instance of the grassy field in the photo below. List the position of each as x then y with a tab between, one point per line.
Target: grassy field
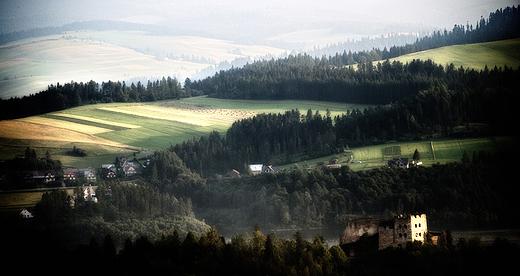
105	131
431	152
30	65
12	202
477	55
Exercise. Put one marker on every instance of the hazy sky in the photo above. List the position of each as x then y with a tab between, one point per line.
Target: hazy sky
436	13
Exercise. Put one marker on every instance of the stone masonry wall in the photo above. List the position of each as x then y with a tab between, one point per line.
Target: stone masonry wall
356	228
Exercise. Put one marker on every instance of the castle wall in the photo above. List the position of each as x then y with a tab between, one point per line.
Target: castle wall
356	228
399	231
386	236
403	231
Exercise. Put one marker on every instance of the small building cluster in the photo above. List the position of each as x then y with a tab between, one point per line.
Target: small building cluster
403	163
72	175
123	167
89	195
255	169
259	168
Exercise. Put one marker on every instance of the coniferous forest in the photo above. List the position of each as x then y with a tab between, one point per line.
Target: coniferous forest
159	222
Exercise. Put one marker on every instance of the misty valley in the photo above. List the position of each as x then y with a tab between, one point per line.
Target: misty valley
257	155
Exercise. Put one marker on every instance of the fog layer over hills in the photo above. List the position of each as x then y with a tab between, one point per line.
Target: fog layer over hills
257	22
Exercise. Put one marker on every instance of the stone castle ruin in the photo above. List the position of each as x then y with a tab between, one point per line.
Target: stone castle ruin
398	232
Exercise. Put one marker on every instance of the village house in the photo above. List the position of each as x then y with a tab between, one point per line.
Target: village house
40	177
89	194
234	173
70	175
89	174
269	169
108	171
256	168
26	214
130	168
403	163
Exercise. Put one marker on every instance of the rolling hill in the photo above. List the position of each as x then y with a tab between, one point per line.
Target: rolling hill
28	66
105	131
477	55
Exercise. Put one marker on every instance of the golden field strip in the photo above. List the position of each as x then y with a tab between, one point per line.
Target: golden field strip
109	130
40	120
96	120
35	129
151	116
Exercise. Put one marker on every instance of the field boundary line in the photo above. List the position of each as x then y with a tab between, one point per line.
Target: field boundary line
433	151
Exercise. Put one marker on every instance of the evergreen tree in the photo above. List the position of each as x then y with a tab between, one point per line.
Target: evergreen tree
416	155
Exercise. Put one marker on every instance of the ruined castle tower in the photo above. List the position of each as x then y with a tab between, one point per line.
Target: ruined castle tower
403	229
398	232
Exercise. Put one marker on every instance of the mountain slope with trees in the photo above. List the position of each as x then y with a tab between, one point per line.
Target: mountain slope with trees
330	79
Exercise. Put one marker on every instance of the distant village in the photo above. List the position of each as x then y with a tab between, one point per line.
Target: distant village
124	167
71	176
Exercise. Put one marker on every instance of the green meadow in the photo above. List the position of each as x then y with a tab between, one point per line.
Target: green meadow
105	131
477	55
431	152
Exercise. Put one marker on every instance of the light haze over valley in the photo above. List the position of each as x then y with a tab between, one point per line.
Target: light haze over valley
136	41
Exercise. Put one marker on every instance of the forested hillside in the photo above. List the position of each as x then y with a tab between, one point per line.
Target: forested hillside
501	24
451	102
475	189
329	79
294	77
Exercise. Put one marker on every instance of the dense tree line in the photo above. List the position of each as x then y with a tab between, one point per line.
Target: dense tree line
476	189
167	172
59	97
259	254
306	78
501	24
330	79
123	210
115	200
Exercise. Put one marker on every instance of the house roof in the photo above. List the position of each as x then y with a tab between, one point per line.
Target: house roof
256	167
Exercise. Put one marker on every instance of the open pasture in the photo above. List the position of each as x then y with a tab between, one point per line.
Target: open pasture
152	113
107	130
28	66
476	56
13	201
431	152
48	120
